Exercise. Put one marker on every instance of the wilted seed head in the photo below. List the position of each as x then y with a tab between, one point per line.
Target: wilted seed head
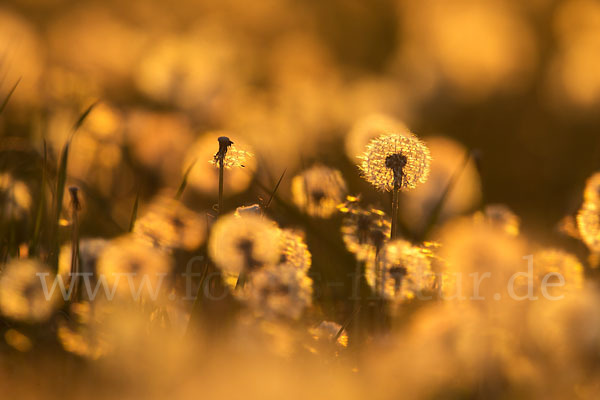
229	154
400	271
128	258
278	291
294	251
318	191
22	294
588	223
591	193
15	198
244	243
395	161
82	336
364	231
169	224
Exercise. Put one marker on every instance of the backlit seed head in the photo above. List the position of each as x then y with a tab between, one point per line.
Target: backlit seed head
400	271
294	251
128	258
82	335
499	217
370	127
244	244
395	160
15	198
22	294
591	193
231	155
557	262
278	291
318	191
169	224
364	231
588	222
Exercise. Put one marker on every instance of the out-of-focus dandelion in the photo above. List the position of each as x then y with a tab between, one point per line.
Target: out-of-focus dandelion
588	222
550	265
394	163
591	194
241	245
83	336
17	340
319	190
400	271
15	198
329	338
500	217
169	224
294	250
204	177
369	127
278	291
364	231
134	267
26	291
447	160
251	209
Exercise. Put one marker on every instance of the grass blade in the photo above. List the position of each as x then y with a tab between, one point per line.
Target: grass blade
134	212
275	189
184	180
10	93
41	205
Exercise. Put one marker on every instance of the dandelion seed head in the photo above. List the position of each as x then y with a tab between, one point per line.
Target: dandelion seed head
244	244
231	155
364	231
294	250
395	160
83	336
22	294
251	209
318	191
588	223
279	291
400	271
15	198
129	258
169	224
552	261
591	193
369	127
327	332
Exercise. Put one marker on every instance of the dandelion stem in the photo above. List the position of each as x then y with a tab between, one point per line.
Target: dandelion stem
395	196
221	167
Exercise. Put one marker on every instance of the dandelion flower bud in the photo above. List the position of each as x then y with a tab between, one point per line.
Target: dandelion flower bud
318	191
400	271
395	161
25	287
244	244
280	291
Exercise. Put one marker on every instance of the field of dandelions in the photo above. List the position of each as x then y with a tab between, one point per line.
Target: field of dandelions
305	200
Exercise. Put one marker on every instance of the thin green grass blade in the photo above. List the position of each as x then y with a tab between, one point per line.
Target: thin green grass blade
275	189
134	212
184	180
9	95
41	205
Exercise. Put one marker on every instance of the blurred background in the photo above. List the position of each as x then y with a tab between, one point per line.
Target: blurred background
516	80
